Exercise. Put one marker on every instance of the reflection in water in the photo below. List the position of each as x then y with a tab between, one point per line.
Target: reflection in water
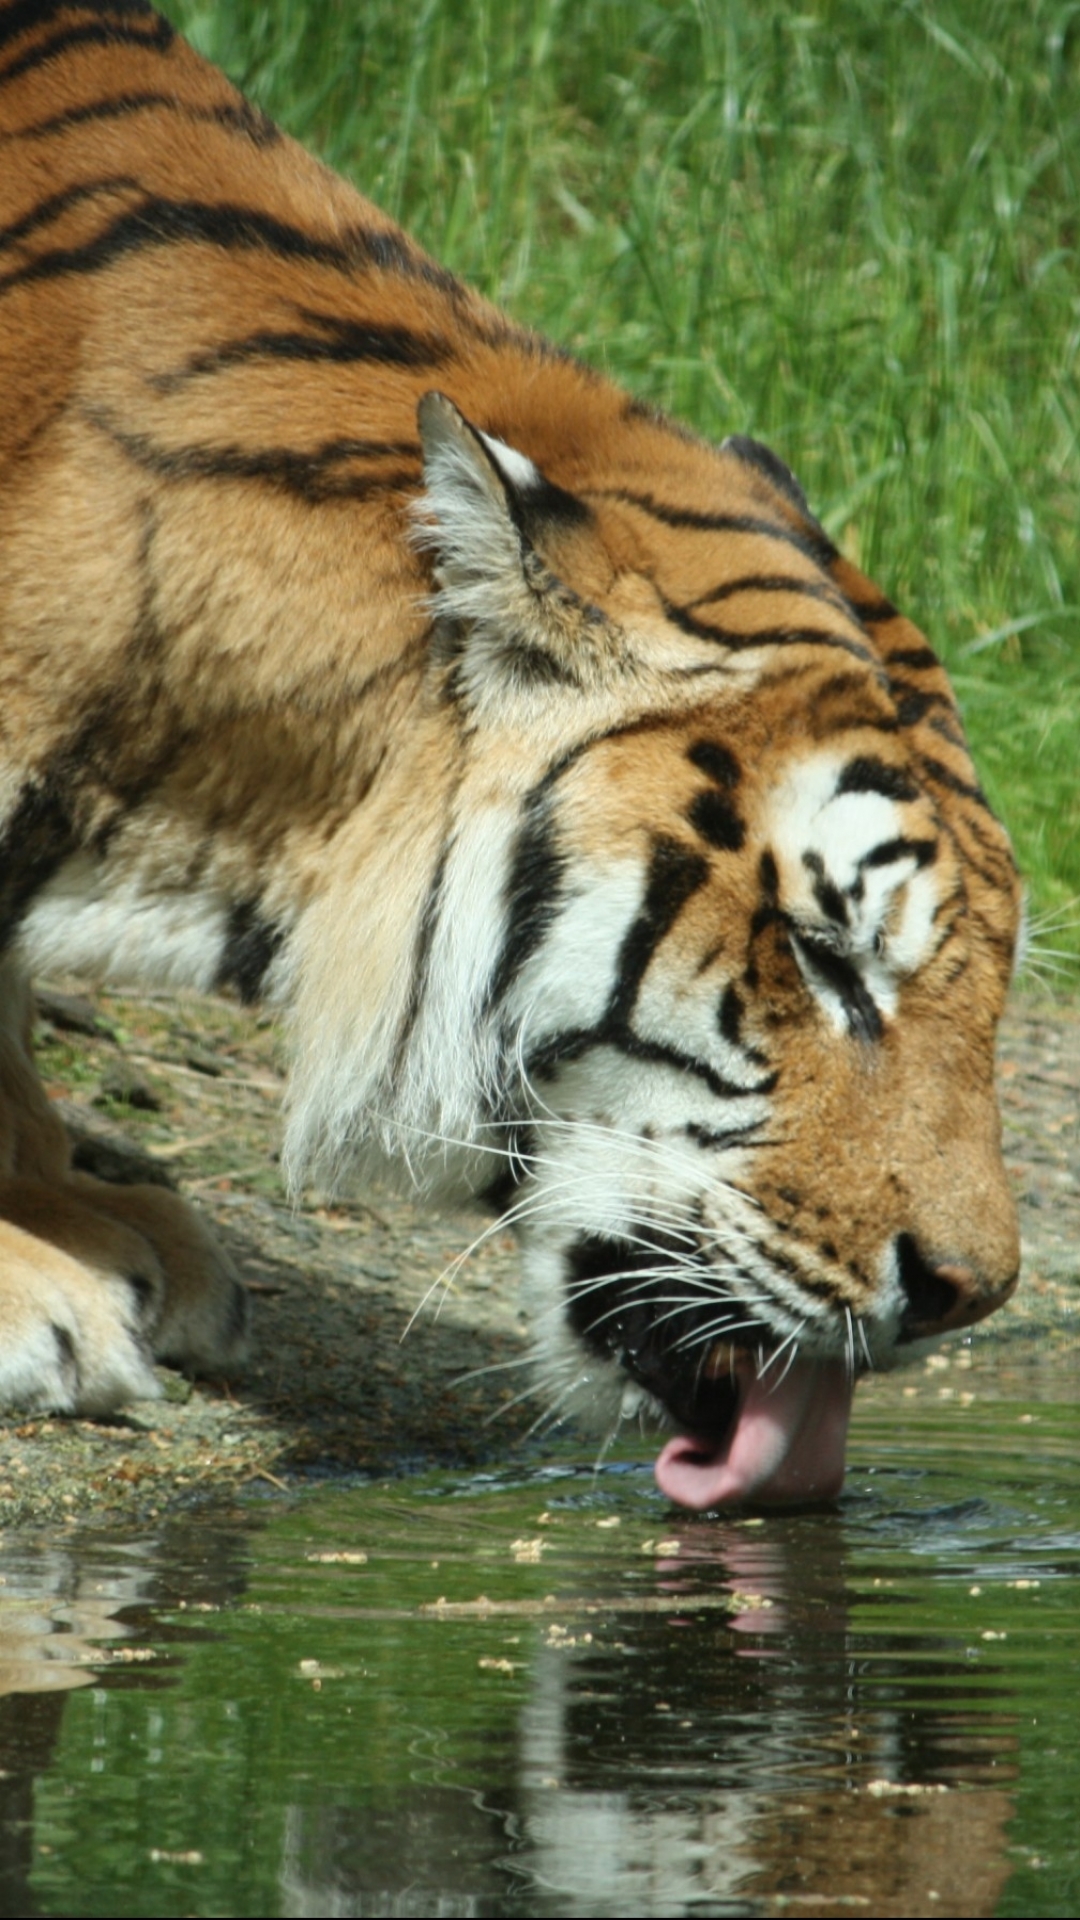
590	1710
56	1624
73	1614
435	1850
692	1762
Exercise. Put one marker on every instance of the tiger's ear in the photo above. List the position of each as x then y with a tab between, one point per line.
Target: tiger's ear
504	619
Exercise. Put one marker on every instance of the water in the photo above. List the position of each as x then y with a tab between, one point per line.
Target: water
541	1692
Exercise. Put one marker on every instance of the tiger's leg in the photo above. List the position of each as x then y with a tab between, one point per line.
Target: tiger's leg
94	1278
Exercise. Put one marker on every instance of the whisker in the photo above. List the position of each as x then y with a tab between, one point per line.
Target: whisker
495	1366
790	1361
790	1340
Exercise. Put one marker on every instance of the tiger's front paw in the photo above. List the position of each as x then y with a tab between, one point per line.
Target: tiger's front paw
72	1339
98	1280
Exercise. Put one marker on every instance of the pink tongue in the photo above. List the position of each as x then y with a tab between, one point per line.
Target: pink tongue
786	1445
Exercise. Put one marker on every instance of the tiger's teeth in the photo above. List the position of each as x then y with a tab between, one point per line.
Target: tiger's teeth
722	1363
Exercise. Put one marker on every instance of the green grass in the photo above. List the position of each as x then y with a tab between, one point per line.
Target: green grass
850	229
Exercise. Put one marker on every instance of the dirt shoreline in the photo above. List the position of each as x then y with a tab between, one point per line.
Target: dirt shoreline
364	1323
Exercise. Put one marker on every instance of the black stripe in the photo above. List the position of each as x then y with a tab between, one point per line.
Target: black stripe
729	1019
713	816
944	776
158	222
429	920
948	932
545	507
391	251
675	875
633	408
913	705
739	641
769	878
919	659
344	342
525	666
532	895
810	540
108	33
860	1009
40	835
827	894
662	722
766	914
754	454
824	717
946	724
873	613
998	876
242	118
55	205
868	774
776	583
955	901
572	1044
812	1282
251	943
729	1137
112	109
730	1015
312	474
718	761
1003	943
923	852
20	16
980	849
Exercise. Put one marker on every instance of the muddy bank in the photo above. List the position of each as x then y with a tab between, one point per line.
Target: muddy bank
376	1344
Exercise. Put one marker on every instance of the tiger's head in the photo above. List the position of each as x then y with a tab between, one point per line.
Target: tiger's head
711	966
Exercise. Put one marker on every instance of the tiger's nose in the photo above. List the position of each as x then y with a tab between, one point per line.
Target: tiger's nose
941	1295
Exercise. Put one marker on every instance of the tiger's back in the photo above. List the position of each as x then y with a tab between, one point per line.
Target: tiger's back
582	807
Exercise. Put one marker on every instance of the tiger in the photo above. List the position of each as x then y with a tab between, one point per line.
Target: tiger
606	842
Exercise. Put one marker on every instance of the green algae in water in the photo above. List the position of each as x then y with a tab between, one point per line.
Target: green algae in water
542	1692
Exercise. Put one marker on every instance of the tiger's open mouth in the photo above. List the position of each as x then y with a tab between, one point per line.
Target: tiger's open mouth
749	1431
784	1445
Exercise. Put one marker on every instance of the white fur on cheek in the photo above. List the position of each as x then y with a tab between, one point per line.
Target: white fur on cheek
569	980
670	1007
452	1061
